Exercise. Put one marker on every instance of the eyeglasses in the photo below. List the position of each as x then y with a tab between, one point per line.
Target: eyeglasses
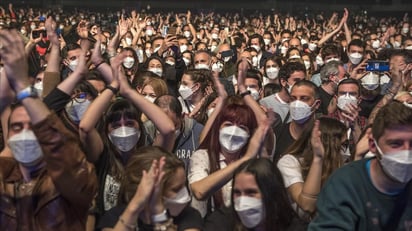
80	97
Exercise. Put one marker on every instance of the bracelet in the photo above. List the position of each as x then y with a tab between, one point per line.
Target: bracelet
113	89
96	66
127	225
243	94
161	217
29	91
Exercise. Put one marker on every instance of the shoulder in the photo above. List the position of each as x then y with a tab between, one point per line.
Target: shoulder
189	218
220	219
110	218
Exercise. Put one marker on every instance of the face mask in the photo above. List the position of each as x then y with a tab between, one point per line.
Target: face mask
257	48
332	59
171	63
187	61
294	57
376	44
186	33
283	50
396	44
307	64
405	30
183	48
73	23
186	92
128	41
233	138
397	164
75	110
61	27
408	48
150	98
25	148
266	41
254	93
39	87
217	67
128	62
300	112
355	58
312	46
148	53
23	32
383	29
149	32
178	203
215	36
156	49
289	88
124	138
202	66
213	47
157	71
303	42
227	59
210	111
250	210
254	61
406	104
32	27
73	64
370	81
140	55
346	99
272	72
319	60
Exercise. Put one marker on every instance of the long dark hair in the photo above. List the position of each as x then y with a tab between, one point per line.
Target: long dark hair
278	210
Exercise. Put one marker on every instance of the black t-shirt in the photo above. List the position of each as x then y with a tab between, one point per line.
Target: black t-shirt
325	99
189	218
368	105
283	140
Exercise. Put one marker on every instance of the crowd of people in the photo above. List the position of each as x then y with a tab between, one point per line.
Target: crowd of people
135	120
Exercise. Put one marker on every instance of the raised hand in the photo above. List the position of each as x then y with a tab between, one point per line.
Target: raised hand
316	142
50	25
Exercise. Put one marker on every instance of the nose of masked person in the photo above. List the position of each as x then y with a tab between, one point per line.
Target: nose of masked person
250	210
25	148
346	99
124	138
176	204
233	138
76	108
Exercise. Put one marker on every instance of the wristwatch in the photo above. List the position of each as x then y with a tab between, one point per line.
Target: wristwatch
29	91
243	94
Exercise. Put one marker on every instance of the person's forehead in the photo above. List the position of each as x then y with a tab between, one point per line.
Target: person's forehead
19	115
348	87
154	62
297	74
201	56
251	81
302	90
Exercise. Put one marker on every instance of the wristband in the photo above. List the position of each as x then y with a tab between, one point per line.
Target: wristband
243	94
161	217
113	89
29	91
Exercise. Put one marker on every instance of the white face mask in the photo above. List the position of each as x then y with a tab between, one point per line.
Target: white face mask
215	36
405	30
39	87
23	32
186	92
267	42
75	110
408	48
213	47
186	33
171	63
140	57
124	138
202	66
32	27
272	72
183	48
156	49
254	93
187	61
257	48
397	164
255	61
227	59
178	203
346	99
370	81
307	64
283	50
128	62
25	148
300	112
319	60
376	44
157	71
150	98
250	210
128	41
312	46
233	138
355	58
217	67
102	48
396	44
210	111
332	59
295	56
149	32
73	64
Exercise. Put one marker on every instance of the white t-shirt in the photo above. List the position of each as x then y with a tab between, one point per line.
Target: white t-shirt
198	170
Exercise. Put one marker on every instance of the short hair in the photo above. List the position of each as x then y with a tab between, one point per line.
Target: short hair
141	77
255	74
69	47
330	68
199	76
357	42
350	81
329	49
169	102
258	36
309	84
159	86
289	68
392	115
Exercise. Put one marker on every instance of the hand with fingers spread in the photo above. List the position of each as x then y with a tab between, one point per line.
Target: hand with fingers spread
82	30
316	142
156	199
